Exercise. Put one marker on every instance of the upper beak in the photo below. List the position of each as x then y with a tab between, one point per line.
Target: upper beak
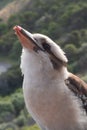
26	38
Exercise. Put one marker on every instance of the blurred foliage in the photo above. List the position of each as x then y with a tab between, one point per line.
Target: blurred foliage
3	28
16	51
58	19
10	80
71	51
13	114
18	103
84	78
34	127
6	111
4	2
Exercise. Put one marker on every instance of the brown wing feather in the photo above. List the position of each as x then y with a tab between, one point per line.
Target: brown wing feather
78	87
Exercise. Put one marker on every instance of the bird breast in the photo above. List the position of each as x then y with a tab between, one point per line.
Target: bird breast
52	106
47	97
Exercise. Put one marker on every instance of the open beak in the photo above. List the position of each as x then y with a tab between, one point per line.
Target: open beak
26	38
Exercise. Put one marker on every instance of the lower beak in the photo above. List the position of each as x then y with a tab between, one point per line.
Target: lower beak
26	38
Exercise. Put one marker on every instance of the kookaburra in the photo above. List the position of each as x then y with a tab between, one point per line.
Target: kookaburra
56	98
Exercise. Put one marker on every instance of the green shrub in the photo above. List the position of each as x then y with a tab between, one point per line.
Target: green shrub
6	116
16	51
3	28
18	103
10	80
8	126
82	63
34	127
83	49
20	121
6	106
72	67
71	52
6	111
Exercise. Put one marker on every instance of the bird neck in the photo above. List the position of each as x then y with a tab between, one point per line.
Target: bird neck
36	66
43	86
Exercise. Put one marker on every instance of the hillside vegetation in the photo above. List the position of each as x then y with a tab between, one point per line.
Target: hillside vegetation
63	21
11	8
4	2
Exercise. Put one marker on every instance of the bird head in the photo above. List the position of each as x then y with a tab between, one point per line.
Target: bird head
39	44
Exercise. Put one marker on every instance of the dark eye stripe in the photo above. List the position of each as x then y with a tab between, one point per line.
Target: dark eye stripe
46	46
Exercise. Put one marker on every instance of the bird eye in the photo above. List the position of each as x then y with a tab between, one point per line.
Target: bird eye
46	46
